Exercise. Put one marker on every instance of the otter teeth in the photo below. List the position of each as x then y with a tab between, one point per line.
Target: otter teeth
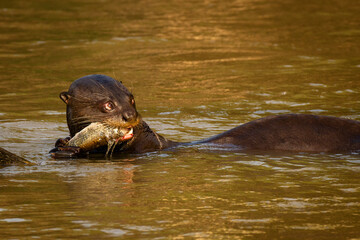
128	135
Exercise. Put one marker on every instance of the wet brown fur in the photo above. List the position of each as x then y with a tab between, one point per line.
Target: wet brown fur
84	100
294	132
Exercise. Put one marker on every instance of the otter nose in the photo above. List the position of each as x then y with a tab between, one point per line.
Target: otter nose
129	116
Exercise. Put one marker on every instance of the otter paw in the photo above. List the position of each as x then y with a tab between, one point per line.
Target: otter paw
61	142
66	152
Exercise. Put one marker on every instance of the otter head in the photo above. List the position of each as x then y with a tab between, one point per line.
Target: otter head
99	98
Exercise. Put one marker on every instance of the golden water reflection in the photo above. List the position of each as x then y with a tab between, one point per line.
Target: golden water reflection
196	68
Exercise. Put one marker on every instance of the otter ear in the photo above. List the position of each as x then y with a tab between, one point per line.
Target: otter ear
65	96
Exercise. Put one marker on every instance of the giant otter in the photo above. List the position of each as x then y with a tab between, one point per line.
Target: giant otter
9	158
99	98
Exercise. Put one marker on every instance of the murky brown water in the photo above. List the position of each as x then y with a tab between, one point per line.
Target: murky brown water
196	68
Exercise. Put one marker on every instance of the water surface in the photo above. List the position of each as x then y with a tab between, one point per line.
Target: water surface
196	68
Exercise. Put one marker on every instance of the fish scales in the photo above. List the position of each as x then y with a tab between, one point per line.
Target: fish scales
94	136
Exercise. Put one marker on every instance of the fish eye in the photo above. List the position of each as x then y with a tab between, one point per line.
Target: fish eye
108	106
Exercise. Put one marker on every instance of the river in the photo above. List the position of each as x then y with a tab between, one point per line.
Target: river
196	69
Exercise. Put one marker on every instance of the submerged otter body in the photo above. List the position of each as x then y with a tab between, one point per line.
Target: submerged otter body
294	132
99	98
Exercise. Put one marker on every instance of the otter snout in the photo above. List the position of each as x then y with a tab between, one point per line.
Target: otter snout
130	116
124	119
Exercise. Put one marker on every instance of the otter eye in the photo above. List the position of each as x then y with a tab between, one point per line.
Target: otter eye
132	101
108	106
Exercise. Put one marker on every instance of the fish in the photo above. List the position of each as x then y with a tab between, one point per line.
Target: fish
98	134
